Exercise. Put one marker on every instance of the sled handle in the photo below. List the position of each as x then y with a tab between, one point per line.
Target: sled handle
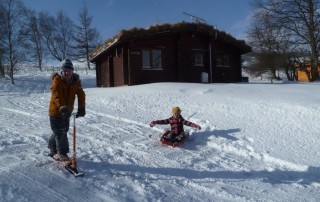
73	158
74	134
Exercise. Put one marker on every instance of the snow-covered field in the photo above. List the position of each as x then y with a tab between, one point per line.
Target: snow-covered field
258	142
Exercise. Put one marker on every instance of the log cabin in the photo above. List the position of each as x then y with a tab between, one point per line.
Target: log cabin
180	52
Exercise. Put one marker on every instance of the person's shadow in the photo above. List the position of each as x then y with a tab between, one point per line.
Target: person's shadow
307	177
201	138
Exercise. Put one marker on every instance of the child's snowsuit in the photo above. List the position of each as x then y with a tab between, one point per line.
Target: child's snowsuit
176	126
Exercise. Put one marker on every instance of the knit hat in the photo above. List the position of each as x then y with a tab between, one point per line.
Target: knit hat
66	64
176	110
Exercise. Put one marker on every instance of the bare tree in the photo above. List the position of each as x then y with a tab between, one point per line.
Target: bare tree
35	38
57	34
2	73
2	35
12	26
64	34
270	42
86	37
300	19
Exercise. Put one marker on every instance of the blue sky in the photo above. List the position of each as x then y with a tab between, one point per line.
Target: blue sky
111	16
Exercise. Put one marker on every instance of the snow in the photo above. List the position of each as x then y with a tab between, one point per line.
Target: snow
258	142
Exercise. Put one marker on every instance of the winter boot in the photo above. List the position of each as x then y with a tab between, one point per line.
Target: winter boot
52	153
181	136
60	157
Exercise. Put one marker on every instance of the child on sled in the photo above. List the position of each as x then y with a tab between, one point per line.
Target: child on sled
176	122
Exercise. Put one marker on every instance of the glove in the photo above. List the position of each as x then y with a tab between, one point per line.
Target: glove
64	111
152	124
81	112
197	126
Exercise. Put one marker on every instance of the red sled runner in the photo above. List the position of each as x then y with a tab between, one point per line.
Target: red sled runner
177	142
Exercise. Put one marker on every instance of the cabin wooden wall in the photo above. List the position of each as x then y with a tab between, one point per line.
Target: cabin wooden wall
168	73
103	75
233	73
189	44
122	64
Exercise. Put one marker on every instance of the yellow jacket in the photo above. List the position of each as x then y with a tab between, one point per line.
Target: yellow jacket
63	94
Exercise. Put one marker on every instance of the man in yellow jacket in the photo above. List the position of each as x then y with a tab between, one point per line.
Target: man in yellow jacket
64	89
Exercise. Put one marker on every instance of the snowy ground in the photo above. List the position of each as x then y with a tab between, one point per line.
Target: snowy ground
259	142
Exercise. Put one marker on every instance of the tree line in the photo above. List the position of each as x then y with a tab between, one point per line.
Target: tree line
285	35
27	35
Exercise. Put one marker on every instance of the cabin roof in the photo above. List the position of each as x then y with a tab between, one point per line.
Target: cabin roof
126	35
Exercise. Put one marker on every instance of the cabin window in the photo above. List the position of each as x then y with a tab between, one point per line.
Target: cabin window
151	59
198	59
223	61
146	59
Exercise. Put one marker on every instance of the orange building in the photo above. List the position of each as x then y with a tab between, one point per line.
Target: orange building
301	74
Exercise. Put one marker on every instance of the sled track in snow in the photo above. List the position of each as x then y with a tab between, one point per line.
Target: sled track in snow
125	120
128	135
20	112
234	148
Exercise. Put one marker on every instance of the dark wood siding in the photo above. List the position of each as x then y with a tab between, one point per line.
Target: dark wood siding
98	74
118	70
104	72
232	73
189	44
168	73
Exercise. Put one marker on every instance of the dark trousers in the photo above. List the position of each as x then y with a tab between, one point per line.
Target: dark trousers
58	142
174	137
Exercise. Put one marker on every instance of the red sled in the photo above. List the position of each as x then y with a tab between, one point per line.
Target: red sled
164	140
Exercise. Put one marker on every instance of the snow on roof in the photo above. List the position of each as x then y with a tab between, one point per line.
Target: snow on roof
167	28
